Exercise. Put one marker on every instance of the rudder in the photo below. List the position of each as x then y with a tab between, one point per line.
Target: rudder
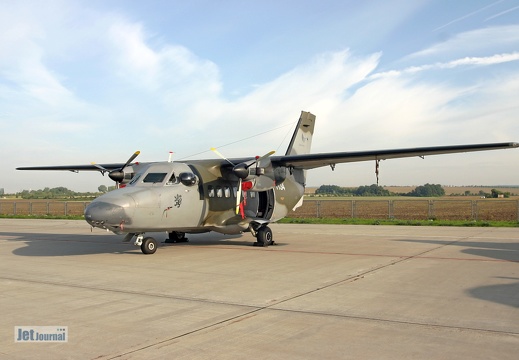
301	141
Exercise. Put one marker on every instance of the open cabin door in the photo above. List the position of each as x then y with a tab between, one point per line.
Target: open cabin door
259	204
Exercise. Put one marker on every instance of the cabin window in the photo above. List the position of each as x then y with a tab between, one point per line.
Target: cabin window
252	194
219	192
235	191
210	190
227	192
154	178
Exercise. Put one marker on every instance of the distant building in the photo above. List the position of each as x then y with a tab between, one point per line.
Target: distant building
310	190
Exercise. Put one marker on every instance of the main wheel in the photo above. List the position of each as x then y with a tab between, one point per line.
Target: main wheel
264	236
176	236
149	246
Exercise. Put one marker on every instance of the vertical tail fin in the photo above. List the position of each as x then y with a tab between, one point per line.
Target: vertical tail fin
301	143
302	137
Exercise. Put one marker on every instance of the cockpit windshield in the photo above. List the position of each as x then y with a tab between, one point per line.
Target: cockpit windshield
154	178
156	175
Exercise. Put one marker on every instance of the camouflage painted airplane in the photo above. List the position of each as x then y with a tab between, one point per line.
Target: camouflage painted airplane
229	196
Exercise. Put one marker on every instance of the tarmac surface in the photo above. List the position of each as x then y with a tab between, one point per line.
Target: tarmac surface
326	291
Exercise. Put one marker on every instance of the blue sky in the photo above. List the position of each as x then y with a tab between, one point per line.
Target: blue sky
84	81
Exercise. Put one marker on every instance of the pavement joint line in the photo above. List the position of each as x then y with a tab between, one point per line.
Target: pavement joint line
357	317
128	292
221	322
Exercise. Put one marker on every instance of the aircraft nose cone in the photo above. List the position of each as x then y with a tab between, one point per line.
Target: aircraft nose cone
110	213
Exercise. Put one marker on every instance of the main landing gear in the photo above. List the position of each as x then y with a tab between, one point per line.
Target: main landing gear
176	237
263	235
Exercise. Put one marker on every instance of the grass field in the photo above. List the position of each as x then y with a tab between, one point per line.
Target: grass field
42	207
404	208
382	208
457	190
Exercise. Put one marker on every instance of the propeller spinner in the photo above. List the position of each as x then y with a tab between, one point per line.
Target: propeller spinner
117	175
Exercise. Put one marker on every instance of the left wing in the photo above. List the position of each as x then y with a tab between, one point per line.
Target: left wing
115	171
311	161
74	168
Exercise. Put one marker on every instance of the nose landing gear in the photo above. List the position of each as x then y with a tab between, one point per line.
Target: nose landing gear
148	245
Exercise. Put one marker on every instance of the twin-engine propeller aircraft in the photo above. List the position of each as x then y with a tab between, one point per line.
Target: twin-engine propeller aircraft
229	196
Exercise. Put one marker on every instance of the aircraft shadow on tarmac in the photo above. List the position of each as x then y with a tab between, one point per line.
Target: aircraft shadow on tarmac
41	244
506	251
505	294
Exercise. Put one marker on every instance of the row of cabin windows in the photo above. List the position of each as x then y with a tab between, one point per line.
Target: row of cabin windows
223	191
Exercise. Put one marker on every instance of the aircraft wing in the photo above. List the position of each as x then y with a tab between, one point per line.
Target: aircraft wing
311	161
74	168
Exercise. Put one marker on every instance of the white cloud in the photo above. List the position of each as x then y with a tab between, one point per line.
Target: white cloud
466	61
170	68
496	39
318	85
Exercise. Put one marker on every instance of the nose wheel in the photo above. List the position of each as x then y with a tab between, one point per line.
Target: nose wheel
148	245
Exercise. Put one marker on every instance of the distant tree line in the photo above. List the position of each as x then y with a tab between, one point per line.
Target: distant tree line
55	193
334	190
427	190
494	193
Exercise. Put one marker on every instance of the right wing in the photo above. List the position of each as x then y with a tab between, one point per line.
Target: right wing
312	161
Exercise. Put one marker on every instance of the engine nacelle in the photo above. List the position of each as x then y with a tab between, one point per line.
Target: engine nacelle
122	176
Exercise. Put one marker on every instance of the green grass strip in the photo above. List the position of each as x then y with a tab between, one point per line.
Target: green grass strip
350	221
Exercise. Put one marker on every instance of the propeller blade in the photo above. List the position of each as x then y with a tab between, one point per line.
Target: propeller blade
102	169
220	155
238	197
135	154
267	155
259	158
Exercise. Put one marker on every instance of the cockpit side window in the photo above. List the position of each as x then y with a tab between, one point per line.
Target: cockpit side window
154	178
172	180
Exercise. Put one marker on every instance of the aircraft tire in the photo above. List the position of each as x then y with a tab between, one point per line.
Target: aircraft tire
264	236
176	237
149	246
